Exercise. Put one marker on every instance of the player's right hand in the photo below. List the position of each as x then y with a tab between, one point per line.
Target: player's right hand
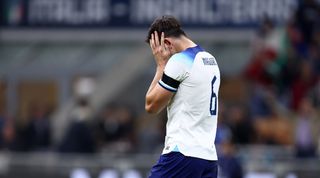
159	49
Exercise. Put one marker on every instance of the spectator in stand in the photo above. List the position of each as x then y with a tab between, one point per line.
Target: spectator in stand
307	18
303	84
7	131
316	95
306	125
315	54
228	161
240	124
32	133
115	128
150	133
79	135
24	135
8	135
3	120
260	101
263	53
268	53
40	128
268	113
223	129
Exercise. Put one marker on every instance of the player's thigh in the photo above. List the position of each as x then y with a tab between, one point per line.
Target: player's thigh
176	165
211	171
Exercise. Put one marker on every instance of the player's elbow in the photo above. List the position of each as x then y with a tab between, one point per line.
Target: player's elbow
151	108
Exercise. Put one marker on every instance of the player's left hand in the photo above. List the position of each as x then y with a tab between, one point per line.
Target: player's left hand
159	49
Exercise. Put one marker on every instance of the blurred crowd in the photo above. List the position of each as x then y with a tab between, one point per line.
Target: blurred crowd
115	128
281	104
284	81
32	133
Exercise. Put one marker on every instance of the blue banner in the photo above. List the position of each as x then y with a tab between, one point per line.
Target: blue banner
140	13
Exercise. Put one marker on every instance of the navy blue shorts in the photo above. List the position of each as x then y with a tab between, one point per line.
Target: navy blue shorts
176	165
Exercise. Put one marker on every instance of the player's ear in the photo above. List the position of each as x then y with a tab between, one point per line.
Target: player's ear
167	42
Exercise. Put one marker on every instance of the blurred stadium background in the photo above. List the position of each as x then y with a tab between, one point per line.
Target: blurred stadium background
73	75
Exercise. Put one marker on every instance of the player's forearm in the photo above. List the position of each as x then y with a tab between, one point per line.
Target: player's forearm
151	94
156	78
155	101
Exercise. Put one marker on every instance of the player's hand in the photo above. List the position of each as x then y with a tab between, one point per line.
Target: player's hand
159	49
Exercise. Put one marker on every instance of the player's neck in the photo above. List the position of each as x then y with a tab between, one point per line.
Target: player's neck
184	43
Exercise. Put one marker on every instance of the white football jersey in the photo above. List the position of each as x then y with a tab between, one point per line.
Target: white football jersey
192	112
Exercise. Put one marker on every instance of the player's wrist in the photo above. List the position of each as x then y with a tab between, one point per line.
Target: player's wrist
161	63
161	66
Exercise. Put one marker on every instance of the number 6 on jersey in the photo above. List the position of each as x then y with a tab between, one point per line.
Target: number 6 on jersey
213	99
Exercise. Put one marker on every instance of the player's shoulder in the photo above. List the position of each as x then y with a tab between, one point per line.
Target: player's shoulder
187	56
178	57
181	60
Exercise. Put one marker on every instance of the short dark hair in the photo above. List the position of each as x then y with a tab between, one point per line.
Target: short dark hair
167	24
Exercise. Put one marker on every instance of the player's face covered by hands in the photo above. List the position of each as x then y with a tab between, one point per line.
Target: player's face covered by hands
160	49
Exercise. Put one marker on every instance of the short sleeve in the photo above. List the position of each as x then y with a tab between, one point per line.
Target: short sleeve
174	73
